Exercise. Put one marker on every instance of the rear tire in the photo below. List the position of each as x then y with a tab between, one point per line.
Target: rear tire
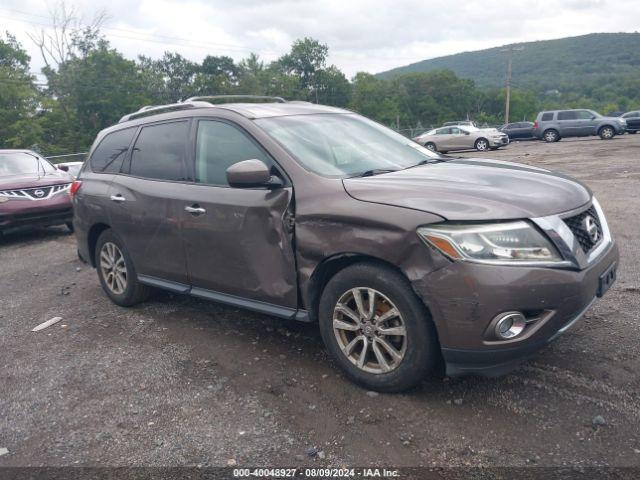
606	132
431	146
551	136
391	362
116	271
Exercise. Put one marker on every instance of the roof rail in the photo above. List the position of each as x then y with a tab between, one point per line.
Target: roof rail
155	109
208	98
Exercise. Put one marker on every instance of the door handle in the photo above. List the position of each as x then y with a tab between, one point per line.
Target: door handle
118	198
195	210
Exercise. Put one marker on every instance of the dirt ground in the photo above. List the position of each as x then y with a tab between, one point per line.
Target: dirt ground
179	381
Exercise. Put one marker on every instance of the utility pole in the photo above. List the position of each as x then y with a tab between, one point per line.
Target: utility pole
509	51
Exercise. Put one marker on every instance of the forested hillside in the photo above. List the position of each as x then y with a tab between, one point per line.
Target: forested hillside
542	65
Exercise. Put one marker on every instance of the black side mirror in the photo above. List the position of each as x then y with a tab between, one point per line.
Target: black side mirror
251	173
64	168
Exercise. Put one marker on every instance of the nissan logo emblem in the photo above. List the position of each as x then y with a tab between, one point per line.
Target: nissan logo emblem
39	193
591	227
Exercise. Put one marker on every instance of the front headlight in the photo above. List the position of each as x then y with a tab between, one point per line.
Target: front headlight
499	243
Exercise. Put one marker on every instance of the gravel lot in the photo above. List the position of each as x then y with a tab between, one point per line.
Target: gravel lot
181	381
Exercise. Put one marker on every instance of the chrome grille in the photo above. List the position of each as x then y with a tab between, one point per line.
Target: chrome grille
37	193
577	226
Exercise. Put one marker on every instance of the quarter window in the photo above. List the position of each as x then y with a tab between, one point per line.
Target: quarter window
159	152
547	117
220	145
108	155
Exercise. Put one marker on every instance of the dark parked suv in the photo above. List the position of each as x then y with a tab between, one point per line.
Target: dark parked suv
315	213
553	125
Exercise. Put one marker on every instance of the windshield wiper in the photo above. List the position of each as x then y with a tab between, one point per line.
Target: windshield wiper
374	171
427	162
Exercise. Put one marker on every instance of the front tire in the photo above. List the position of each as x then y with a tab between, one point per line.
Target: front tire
376	328
607	132
482	144
116	271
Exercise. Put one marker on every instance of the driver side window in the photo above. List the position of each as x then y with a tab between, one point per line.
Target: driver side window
218	146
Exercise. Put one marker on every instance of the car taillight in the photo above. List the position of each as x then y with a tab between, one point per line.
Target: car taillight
535	125
75	186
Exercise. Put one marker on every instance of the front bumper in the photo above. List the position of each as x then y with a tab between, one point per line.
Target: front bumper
17	214
465	298
558	297
499	142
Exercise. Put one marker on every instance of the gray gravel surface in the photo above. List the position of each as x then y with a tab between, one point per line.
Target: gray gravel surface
179	381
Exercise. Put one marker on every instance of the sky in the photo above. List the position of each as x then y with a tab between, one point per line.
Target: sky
362	35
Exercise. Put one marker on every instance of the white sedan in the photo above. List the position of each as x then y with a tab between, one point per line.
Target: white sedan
465	137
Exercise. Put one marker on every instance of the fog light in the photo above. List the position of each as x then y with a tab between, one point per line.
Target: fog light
510	325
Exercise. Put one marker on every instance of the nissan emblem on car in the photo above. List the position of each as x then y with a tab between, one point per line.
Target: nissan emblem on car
591	227
39	193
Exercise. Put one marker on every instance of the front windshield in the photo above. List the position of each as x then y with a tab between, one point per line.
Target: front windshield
344	145
21	163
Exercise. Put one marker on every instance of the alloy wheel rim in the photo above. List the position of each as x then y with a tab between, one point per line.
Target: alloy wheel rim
482	145
113	267
370	330
607	133
431	147
550	136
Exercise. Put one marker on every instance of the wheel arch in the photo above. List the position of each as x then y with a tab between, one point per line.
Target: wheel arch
330	266
92	239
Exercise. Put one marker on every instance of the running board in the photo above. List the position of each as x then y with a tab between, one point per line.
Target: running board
300	315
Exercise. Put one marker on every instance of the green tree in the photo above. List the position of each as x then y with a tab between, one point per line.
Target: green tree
374	98
305	61
19	97
89	92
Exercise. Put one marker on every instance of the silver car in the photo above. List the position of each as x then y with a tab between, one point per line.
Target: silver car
462	138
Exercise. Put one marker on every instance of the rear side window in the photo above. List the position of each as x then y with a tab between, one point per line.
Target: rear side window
108	155
159	152
567	115
220	145
547	117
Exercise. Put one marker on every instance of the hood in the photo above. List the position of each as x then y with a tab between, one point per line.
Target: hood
473	189
12	182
